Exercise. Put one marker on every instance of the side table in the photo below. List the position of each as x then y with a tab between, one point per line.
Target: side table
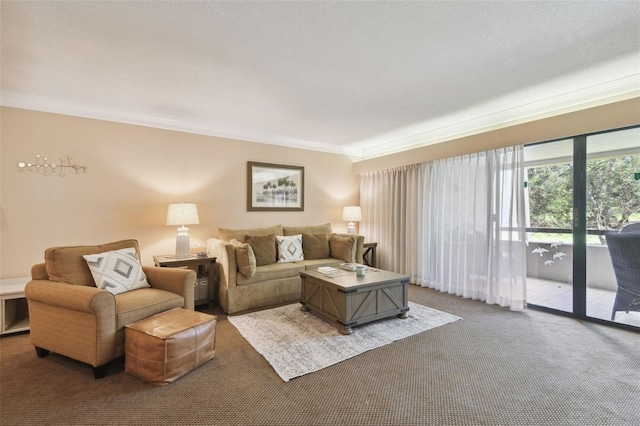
203	291
369	254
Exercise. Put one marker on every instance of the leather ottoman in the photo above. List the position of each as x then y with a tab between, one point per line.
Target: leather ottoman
166	346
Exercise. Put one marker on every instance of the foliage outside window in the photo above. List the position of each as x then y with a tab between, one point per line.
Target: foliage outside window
613	194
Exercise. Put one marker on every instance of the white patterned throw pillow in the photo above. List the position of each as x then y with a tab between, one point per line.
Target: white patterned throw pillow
117	271
289	248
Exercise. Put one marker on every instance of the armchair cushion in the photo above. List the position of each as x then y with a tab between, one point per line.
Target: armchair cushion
117	271
289	248
343	247
264	248
315	246
66	264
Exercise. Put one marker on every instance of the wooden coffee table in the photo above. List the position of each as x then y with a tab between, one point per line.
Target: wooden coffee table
350	300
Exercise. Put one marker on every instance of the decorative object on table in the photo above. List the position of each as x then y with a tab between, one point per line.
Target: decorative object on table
182	214
351	214
296	343
274	187
43	163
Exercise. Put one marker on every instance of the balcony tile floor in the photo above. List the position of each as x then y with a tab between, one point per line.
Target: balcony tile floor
559	296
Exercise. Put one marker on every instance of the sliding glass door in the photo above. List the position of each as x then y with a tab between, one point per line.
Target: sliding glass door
579	189
613	202
549	174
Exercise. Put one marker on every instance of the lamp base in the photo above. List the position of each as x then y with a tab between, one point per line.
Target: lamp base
183	245
351	228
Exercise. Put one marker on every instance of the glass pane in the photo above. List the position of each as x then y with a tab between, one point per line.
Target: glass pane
550	215
613	185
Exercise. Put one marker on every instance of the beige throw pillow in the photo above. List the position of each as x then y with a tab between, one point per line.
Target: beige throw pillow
315	246
343	248
245	258
264	248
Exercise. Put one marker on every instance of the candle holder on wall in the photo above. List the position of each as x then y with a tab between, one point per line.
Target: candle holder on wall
43	163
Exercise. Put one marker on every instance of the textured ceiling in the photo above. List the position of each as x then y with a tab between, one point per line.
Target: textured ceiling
359	78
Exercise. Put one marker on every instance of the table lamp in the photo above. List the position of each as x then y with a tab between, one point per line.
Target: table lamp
352	214
182	214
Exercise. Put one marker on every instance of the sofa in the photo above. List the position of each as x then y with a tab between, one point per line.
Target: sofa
260	267
71	316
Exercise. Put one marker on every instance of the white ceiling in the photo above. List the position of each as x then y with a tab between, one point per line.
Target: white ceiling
359	78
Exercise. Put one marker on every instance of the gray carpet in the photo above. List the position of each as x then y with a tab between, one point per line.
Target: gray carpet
493	368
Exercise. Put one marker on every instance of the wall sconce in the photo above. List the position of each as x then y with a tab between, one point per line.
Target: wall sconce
53	167
352	214
183	214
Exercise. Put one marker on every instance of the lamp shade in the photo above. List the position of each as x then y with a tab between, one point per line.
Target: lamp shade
182	214
352	214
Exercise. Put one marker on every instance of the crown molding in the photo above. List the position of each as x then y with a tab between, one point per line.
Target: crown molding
493	115
476	120
44	104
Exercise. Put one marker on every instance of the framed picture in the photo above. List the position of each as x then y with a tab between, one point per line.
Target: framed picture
274	187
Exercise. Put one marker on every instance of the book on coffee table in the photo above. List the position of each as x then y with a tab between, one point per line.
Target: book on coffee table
350	266
328	270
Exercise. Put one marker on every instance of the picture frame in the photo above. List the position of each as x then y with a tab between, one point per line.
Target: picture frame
274	187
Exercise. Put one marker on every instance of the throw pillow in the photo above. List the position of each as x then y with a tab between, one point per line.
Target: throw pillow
117	271
264	248
315	246
289	248
245	258
343	247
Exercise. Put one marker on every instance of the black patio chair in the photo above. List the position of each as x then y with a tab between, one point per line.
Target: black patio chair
624	249
632	227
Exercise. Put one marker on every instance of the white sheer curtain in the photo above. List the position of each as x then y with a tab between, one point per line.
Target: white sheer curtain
455	225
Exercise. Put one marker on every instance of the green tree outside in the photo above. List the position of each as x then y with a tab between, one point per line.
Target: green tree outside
613	194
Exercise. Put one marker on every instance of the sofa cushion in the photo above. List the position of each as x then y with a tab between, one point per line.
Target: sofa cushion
226	234
66	264
117	271
313	229
138	304
343	247
264	248
275	271
245	258
315	246
289	248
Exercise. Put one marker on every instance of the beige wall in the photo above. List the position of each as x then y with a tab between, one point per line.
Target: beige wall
133	174
611	116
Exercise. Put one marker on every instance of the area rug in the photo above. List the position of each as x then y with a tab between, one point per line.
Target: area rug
297	343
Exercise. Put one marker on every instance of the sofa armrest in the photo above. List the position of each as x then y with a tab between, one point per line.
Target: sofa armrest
226	268
69	296
359	247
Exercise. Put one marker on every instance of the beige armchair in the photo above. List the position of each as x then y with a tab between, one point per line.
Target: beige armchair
70	316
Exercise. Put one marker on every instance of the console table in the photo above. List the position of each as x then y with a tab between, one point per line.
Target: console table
369	254
14	313
203	291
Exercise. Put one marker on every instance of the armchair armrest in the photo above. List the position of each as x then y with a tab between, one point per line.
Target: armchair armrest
73	320
175	280
68	296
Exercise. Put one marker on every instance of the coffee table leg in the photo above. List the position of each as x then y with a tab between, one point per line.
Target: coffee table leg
403	315
345	329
